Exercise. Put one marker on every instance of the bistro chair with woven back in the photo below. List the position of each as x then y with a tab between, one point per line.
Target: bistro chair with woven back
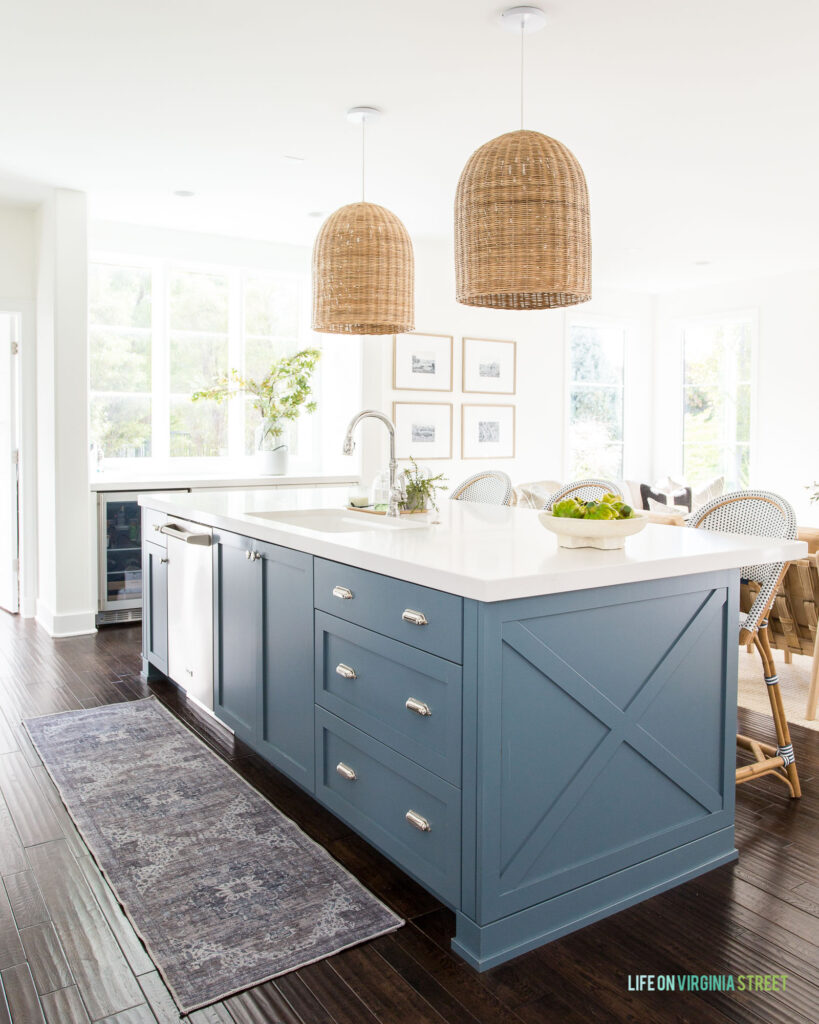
491	487
764	514
589	489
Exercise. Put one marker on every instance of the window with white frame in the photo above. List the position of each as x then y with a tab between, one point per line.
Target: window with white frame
717	398
159	331
595	401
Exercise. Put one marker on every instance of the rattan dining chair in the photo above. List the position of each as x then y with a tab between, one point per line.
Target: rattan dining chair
590	489
492	487
764	514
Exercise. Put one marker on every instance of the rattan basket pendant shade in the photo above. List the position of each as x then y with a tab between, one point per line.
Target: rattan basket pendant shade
522	238
363	273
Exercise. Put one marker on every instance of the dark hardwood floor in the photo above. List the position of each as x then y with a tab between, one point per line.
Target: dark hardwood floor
69	955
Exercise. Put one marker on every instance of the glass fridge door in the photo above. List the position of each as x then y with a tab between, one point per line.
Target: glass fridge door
120	551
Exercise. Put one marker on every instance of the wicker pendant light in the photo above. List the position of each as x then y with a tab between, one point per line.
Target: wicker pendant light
363	266
522	236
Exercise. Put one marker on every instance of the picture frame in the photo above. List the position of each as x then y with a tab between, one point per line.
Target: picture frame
422	362
489	367
423	430
487	431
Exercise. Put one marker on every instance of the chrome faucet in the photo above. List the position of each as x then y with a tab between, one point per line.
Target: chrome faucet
349	448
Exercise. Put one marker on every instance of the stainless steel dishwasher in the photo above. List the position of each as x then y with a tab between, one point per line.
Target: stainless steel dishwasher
190	608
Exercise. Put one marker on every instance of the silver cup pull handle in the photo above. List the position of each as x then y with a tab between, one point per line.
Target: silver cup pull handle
418	821
418	706
344	593
345	671
416	618
346	772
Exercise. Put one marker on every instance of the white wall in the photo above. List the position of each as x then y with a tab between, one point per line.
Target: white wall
152	243
18	289
784	446
17	253
66	601
541	373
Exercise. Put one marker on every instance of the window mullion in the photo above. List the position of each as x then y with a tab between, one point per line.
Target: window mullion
236	408
160	363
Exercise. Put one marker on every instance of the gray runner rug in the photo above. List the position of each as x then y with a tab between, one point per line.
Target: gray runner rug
223	889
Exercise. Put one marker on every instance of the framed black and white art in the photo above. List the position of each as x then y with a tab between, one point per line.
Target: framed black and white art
487	431
422	362
423	430
489	366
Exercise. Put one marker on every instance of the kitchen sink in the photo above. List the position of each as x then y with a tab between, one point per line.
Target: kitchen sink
333	520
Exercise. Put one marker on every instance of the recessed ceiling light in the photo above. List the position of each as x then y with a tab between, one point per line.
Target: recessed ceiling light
184	193
294	159
702	263
317	213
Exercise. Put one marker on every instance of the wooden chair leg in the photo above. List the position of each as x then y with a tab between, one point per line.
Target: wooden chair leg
783	736
813	693
788	658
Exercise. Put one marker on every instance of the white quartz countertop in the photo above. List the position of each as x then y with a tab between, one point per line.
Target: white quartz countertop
168	481
484	552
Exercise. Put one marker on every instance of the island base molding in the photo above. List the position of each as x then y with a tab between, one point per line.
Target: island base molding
485	946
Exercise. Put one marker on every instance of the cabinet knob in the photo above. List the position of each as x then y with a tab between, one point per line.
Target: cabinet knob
418	706
248	554
416	618
418	821
255	556
345	671
346	772
156	527
163	561
343	592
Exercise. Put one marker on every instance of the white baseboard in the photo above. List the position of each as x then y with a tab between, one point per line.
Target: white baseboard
70	624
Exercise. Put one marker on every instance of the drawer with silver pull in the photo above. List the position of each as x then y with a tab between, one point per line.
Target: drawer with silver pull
406	698
408	813
152	523
430	620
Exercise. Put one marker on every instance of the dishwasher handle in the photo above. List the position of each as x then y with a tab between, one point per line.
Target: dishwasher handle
188	536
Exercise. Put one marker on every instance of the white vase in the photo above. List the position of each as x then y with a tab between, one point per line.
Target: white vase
272	463
271	449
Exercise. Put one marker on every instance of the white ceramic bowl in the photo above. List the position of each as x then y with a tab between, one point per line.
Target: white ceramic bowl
593	533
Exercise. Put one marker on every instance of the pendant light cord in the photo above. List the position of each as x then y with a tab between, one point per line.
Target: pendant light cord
363	152
522	32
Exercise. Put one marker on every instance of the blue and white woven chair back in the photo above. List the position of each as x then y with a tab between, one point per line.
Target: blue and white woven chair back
590	489
761	514
492	487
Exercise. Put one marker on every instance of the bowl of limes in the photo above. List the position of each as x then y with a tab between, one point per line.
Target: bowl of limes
593	524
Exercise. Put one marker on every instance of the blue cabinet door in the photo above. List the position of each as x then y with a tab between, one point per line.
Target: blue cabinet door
237	634
285	735
155	605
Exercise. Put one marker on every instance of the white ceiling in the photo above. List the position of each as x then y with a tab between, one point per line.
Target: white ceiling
695	121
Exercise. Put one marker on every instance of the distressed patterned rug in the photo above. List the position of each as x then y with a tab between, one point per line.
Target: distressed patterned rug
224	890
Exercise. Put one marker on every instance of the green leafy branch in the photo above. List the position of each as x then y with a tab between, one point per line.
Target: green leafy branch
280	396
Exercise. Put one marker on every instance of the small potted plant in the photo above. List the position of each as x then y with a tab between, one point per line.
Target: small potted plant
420	487
280	397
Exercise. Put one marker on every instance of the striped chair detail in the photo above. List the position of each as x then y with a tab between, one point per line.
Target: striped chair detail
764	514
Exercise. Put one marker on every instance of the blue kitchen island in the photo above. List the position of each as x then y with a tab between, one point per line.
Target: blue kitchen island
540	737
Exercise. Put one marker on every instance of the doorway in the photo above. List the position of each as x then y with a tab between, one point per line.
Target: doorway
10	326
